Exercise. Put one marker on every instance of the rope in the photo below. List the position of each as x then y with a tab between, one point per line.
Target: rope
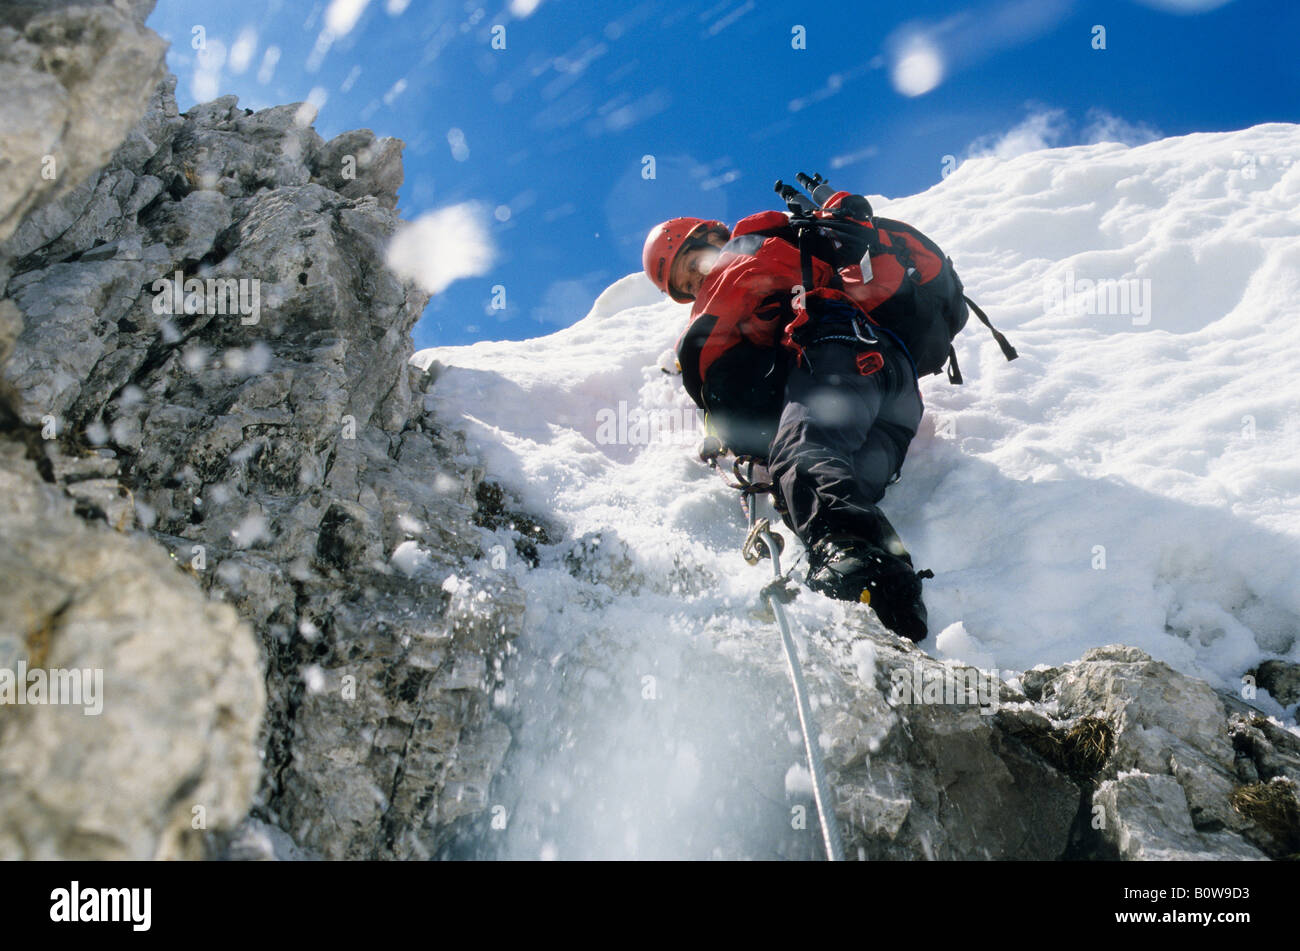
760	535
761	528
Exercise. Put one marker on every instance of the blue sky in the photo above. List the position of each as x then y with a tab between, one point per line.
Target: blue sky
540	147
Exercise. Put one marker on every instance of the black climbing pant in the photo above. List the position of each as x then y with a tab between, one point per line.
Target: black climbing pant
850	413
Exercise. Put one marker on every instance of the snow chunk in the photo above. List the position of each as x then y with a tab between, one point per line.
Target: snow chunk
442	246
798	781
409	558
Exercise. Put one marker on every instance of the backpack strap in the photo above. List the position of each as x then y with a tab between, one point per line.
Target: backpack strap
954	371
805	257
1008	351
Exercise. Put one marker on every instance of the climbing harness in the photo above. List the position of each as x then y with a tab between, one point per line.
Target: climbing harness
762	542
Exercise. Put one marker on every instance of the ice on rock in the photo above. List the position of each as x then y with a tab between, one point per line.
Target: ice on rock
230	575
130	396
313	678
97	433
145	514
409	558
248	362
863	653
252	529
247	451
798	781
195	358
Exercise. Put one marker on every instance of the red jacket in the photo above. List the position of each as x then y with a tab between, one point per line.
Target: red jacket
746	301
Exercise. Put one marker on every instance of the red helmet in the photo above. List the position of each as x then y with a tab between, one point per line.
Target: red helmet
664	242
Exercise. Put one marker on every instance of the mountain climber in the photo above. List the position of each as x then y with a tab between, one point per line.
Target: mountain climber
820	380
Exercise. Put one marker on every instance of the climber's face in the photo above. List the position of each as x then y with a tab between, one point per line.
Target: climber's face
692	265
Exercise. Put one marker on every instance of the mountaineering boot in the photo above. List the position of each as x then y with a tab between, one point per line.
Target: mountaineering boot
850	569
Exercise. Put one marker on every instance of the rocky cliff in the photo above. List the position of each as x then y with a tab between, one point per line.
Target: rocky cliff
223	488
272	456
158	747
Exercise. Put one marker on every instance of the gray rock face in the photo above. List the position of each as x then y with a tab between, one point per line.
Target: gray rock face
1180	755
356	163
275	442
152	743
76	78
1280	679
179	689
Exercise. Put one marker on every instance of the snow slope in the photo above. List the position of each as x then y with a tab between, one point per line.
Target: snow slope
1133	477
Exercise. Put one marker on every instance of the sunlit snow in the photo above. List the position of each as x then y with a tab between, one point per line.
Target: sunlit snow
1134	477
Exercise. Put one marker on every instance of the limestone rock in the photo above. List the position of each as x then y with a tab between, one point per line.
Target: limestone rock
1281	680
275	442
152	745
1149	820
356	164
180	690
76	78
